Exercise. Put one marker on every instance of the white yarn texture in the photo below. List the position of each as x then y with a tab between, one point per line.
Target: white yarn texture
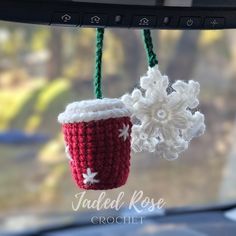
93	110
164	122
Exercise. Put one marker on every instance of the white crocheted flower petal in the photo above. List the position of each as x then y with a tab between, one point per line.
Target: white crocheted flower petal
171	150
154	72
163	150
147	145
170	156
149	128
136	95
165	82
167	132
150	145
146	82
128	101
189	91
156	88
142	109
180	121
180	145
197	127
180	86
151	80
177	103
141	141
194	90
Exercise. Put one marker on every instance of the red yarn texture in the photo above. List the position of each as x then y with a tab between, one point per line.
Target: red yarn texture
97	145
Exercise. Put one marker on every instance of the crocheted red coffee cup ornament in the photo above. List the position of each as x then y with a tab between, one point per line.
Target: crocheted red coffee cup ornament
97	136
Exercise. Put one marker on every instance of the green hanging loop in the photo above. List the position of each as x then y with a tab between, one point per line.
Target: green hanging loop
152	57
98	64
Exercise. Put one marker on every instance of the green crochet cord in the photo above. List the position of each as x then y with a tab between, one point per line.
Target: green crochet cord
98	65
152	58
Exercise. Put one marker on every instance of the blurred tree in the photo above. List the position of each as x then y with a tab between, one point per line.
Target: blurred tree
55	65
133	49
183	61
231	35
39	37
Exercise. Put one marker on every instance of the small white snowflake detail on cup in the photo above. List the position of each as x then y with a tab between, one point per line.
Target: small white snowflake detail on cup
89	177
166	121
124	132
67	151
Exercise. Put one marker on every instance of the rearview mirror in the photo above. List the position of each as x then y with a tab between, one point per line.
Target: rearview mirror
160	14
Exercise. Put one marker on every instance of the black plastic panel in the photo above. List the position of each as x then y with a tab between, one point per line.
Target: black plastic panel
71	13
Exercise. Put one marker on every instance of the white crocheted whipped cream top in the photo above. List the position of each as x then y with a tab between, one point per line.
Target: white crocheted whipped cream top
92	110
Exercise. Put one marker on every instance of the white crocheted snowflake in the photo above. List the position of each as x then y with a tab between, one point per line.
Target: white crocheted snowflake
166	120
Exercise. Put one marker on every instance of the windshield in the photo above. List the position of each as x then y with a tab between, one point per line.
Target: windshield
42	69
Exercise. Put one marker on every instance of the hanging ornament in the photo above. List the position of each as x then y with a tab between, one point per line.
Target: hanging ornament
164	115
97	136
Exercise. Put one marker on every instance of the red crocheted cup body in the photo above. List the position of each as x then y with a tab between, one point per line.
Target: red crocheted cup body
99	149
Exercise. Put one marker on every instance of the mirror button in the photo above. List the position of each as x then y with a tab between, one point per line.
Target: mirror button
144	21
65	18
95	19
190	22
214	23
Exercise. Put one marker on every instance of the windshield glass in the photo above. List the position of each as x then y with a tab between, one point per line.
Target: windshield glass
42	69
